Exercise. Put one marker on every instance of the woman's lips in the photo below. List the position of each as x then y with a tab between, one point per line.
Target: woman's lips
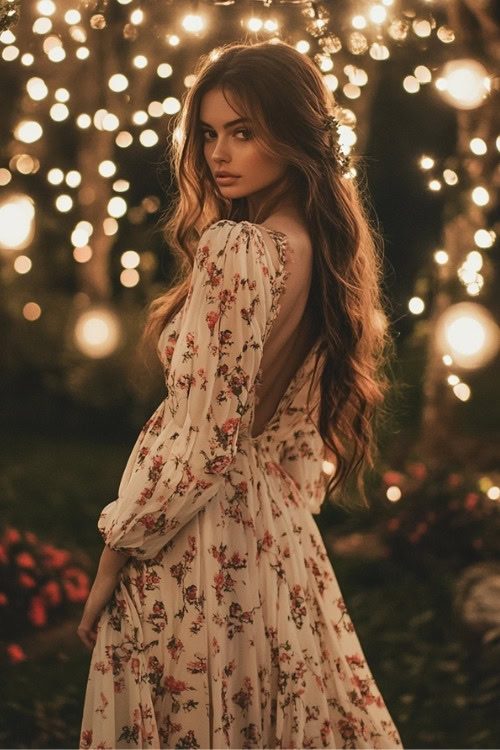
226	180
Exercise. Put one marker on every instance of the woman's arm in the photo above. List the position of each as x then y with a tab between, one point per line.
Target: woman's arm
105	582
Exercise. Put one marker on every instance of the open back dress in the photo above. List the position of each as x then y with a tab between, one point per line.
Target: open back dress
227	628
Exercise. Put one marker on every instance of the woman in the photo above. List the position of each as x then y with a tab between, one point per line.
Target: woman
215	619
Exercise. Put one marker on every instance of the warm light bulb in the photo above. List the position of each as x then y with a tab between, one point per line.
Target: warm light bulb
480	196
416	305
441	257
192	23
484	238
464	84
17	214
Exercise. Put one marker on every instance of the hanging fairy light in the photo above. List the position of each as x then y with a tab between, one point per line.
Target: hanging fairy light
97	332
464	83
17	218
470	333
193	23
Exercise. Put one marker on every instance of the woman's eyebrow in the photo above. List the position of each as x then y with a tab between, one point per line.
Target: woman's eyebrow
228	124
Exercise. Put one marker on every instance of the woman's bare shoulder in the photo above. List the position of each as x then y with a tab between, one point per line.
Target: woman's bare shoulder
298	235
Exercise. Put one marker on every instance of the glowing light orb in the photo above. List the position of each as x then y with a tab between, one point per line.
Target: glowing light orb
470	332
328	467
464	83
484	238
192	23
28	131
97	332
17	214
441	257
393	493
416	305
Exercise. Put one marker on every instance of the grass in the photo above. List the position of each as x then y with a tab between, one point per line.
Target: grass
432	686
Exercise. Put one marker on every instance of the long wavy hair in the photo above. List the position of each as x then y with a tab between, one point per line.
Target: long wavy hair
285	96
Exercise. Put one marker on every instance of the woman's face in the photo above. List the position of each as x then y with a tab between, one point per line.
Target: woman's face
231	147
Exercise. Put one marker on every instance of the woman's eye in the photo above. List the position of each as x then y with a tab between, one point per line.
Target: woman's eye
242	130
246	131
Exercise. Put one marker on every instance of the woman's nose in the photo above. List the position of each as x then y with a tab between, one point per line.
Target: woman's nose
220	151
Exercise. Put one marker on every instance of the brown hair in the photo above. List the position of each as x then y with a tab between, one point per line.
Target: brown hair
285	96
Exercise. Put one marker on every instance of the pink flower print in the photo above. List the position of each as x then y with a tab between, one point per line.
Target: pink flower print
354	660
86	739
212	318
267	540
243	698
213	275
199	666
175	647
134	666
230	426
341	604
174	686
218	464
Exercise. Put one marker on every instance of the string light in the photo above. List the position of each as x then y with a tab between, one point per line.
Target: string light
465	84
17	219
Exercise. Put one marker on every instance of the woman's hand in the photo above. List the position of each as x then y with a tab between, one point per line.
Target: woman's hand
100	594
108	575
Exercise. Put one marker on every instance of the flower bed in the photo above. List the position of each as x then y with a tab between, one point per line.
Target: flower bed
39	584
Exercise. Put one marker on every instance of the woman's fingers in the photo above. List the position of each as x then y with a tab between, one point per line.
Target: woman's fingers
88	637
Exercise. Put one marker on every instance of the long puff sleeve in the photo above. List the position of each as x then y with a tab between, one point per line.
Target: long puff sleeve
185	449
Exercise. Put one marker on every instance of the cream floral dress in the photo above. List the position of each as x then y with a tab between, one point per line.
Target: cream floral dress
228	628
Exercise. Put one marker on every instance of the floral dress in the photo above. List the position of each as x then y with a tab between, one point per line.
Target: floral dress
228	628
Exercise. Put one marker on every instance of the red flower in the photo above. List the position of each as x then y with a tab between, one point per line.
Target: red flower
15	653
393	524
56	558
76	584
24	560
12	536
393	477
454	480
3	555
3	598
51	592
37	612
471	500
26	581
32	538
417	470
